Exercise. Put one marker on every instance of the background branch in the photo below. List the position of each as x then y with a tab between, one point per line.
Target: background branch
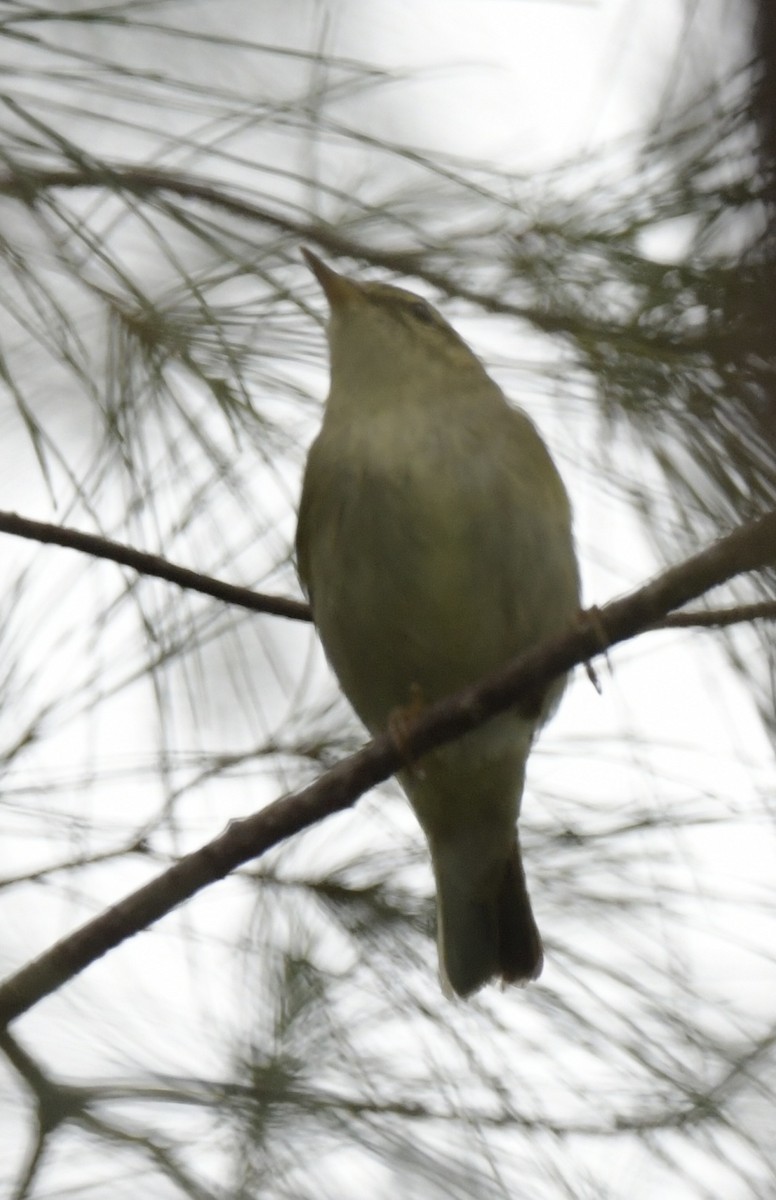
153	565
27	184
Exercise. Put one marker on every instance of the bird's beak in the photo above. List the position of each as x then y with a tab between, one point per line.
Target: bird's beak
337	288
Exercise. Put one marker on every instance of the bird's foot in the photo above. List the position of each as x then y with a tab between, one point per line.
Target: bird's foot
592	617
400	722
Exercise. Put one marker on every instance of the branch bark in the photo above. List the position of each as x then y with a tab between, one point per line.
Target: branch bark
285	606
750	547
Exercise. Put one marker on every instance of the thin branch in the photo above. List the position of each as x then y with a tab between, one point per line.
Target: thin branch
283	606
55	1104
719	618
750	547
27	183
153	565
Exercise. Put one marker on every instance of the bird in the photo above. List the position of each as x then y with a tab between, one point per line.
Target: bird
435	542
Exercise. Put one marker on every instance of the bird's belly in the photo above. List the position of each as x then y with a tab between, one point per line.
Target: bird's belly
428	597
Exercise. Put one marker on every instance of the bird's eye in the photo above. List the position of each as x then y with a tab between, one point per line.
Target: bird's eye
422	312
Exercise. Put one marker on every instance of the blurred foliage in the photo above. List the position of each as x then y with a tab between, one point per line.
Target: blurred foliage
159	361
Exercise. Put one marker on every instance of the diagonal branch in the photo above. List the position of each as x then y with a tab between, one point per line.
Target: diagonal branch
283	606
153	565
750	547
28	183
719	618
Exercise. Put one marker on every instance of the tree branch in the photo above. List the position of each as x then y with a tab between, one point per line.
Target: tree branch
282	606
750	547
27	183
719	618
153	565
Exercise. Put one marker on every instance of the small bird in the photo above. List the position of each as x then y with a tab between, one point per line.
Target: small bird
435	543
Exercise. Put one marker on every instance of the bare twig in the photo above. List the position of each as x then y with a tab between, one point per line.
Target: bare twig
153	565
719	618
283	606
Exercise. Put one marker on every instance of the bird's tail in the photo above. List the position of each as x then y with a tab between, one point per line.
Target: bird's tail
486	928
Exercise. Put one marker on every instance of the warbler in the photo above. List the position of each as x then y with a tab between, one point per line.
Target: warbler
435	542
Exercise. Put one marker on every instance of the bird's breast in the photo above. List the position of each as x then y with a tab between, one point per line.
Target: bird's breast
432	557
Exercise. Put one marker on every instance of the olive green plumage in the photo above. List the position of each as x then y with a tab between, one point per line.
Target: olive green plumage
434	541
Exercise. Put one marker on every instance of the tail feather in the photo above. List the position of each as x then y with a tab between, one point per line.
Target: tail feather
521	956
486	928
